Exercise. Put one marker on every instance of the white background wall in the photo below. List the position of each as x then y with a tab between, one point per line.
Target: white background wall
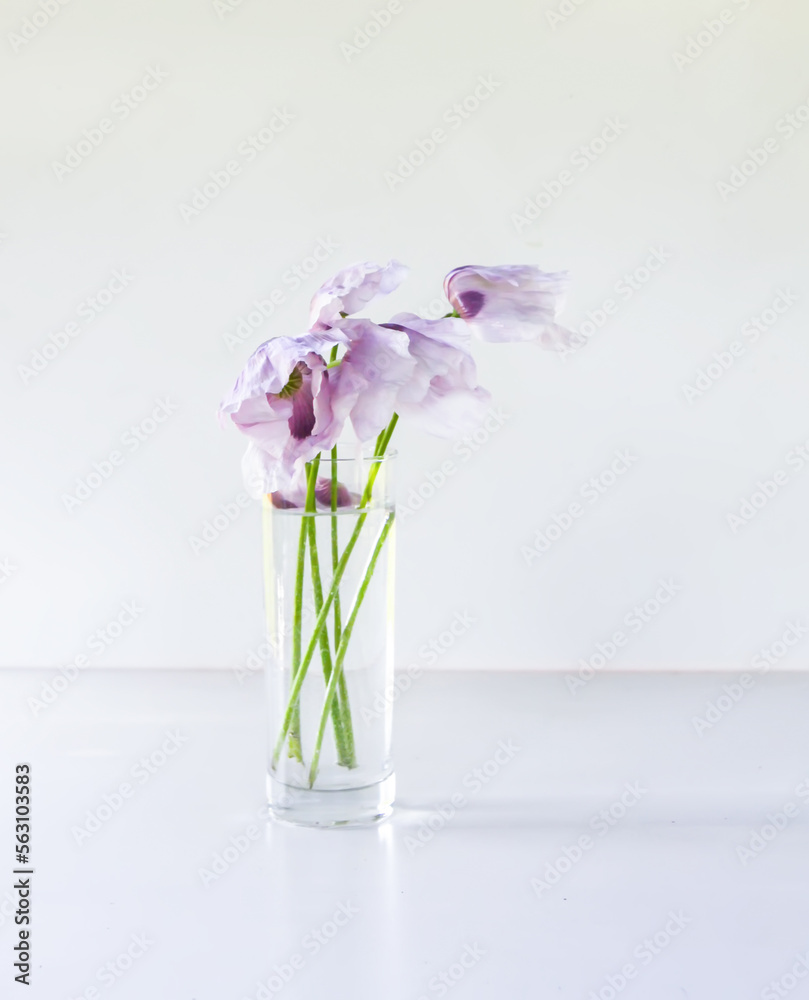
556	81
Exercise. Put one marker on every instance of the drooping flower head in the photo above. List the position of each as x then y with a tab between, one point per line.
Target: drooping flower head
351	289
376	366
442	396
510	302
283	402
418	368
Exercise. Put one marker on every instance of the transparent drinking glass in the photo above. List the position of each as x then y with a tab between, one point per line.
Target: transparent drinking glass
329	580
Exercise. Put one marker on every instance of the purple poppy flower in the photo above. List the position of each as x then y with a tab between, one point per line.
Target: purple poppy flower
511	302
442	396
351	289
419	368
367	382
283	402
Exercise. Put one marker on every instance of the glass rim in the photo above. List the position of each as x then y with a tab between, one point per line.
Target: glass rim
326	458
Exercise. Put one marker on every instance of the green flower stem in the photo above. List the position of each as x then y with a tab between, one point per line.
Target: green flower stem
335	549
345	746
342	692
348	725
341	652
299	676
295	750
382	443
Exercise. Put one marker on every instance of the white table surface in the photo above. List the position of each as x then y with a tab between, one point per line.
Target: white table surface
410	914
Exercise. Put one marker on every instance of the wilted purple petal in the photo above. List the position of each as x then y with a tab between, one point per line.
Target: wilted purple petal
269	367
294	495
469	303
280	402
367	381
345	498
280	502
511	302
443	396
302	421
351	289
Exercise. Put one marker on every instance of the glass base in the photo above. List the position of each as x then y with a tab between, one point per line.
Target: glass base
342	807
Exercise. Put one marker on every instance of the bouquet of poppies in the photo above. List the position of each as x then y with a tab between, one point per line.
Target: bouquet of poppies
298	396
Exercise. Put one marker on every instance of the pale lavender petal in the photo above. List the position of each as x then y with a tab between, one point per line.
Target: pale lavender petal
373	410
268	368
556	338
510	303
280	501
261	471
344	497
295	491
351	289
469	303
265	419
375	367
448	412
302	421
447	330
443	397
334	401
289	423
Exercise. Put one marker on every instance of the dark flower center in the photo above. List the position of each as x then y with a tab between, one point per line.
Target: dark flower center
302	421
470	303
299	390
293	385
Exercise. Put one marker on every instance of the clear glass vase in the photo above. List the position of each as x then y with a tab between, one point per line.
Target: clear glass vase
329	577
